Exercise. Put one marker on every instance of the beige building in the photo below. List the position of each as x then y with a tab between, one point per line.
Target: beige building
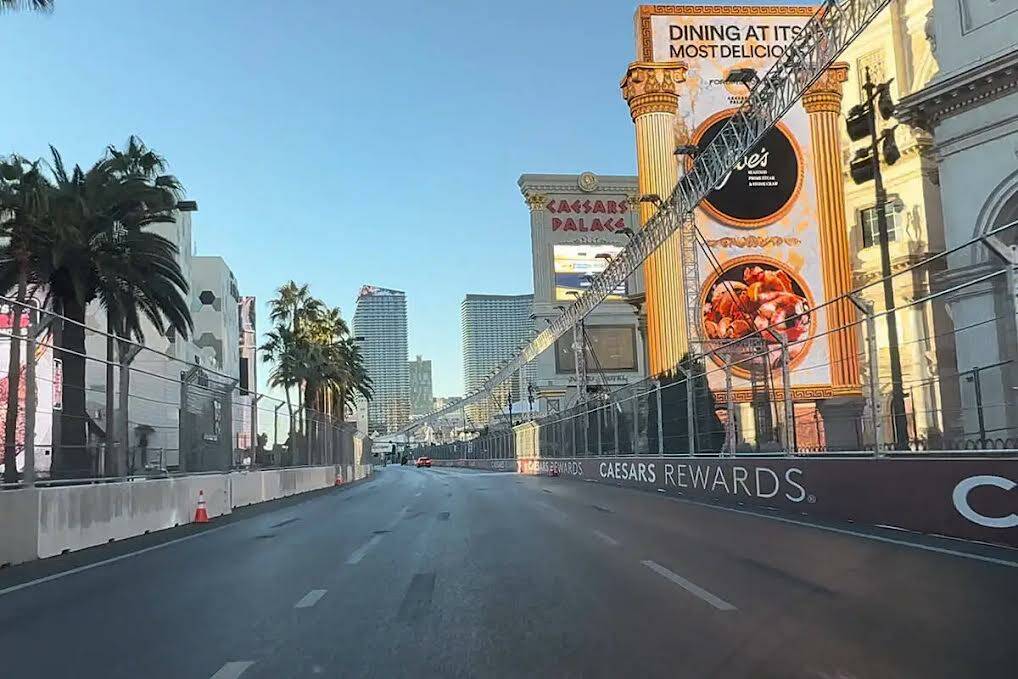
896	46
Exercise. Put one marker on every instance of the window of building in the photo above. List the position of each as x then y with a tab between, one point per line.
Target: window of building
868	224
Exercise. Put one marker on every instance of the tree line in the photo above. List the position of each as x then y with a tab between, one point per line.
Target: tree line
71	237
75	236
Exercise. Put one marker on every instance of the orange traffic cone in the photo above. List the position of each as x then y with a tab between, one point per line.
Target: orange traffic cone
339	480
201	515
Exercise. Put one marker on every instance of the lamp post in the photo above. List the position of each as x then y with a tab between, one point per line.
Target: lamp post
861	123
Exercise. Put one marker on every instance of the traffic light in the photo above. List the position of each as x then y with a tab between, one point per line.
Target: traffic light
861	167
890	148
884	102
857	122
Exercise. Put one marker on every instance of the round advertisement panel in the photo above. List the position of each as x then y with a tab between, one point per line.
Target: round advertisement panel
763	186
761	300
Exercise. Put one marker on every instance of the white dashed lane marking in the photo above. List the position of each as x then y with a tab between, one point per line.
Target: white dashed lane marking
232	670
310	599
607	538
692	588
361	551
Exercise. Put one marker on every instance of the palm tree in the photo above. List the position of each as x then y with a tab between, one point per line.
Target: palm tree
94	251
21	5
311	350
295	306
140	276
146	283
24	201
280	349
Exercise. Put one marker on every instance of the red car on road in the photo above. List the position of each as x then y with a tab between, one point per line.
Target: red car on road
424	462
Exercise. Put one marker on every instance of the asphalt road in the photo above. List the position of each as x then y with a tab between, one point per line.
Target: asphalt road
455	573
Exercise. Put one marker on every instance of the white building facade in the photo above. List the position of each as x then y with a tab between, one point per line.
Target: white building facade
971	109
577	224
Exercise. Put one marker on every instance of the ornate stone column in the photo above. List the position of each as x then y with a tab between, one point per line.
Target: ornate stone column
823	105
651	91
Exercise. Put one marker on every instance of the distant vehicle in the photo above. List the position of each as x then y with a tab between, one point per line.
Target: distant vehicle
424	462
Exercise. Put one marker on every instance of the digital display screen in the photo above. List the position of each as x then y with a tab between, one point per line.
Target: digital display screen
577	265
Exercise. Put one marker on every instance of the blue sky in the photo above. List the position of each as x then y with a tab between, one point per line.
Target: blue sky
339	143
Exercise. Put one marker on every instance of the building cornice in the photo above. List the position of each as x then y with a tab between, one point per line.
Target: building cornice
955	94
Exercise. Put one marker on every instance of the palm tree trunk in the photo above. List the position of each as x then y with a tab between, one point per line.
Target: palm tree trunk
71	458
291	438
14	382
114	464
125	355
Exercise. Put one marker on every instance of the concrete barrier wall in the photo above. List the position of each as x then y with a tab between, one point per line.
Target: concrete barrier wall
75	517
19	525
967	497
43	522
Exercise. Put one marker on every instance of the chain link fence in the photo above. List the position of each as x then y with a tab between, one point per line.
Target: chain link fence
957	347
103	408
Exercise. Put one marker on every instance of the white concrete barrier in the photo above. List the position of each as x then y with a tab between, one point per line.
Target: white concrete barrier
75	517
42	522
19	525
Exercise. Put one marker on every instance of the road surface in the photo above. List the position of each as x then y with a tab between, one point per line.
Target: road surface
457	573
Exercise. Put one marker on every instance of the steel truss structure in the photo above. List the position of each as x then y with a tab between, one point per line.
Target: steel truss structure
828	32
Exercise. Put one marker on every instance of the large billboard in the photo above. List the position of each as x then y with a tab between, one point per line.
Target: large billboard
577	265
760	222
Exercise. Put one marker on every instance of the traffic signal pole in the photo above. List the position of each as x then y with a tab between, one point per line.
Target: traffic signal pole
898	417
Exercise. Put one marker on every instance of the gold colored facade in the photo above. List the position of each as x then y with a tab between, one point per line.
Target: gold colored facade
651	90
896	46
823	106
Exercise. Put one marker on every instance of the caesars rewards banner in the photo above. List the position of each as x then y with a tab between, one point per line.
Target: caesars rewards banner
761	221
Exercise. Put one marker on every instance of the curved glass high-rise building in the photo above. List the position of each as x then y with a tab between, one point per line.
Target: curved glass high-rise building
380	319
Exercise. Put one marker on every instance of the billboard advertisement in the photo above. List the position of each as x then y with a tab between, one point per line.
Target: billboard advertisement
47	392
576	265
760	222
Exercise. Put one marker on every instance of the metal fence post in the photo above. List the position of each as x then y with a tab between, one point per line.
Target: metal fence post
690	417
31	398
786	396
873	367
729	409
660	423
615	422
978	388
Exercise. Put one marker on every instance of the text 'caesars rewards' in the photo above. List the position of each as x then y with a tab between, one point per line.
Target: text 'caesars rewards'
730	41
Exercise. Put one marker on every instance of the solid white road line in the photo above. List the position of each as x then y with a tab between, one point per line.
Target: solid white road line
232	670
106	562
854	533
607	538
310	599
690	587
356	557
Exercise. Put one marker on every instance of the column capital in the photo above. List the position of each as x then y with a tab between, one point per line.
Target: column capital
650	87
535	201
825	94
